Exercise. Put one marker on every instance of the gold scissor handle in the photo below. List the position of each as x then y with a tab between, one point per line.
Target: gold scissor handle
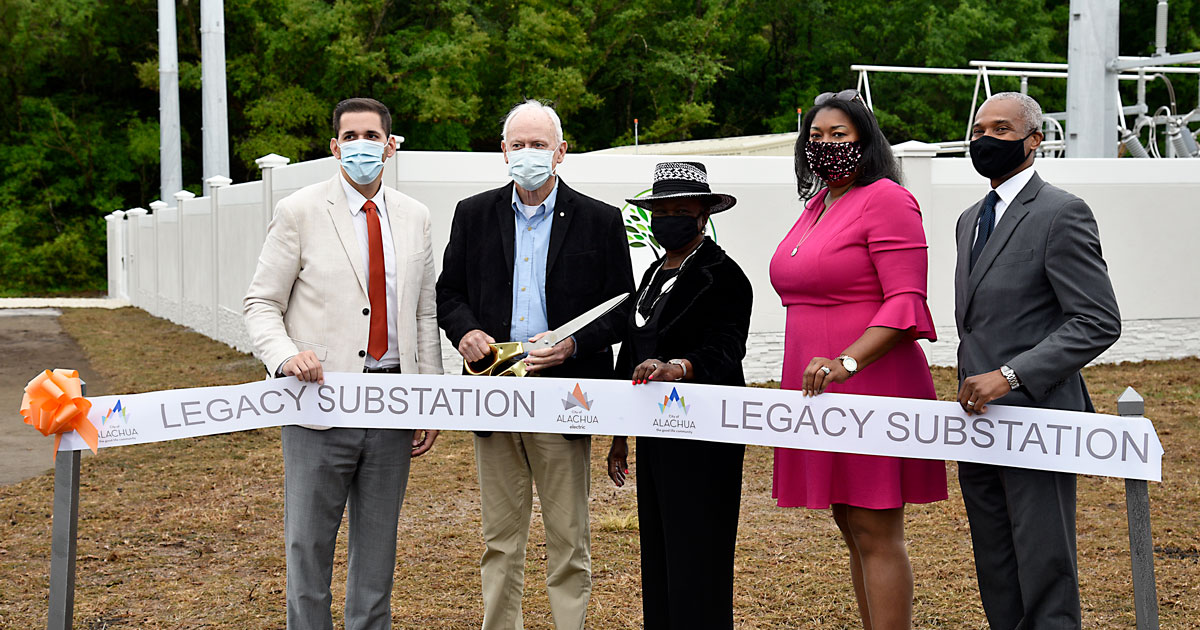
503	361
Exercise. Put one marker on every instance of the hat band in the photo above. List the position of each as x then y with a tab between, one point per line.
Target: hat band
677	186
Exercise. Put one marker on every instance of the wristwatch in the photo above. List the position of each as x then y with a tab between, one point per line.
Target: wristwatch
1013	381
849	363
681	364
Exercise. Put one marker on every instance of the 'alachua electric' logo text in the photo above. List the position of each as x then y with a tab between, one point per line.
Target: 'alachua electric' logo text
674	400
576	405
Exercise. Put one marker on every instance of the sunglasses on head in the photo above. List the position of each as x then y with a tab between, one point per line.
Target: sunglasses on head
844	95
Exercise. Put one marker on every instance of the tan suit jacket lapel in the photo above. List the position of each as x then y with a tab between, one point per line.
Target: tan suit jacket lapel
343	224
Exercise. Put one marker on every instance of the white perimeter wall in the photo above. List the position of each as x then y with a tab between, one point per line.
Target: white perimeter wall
1148	212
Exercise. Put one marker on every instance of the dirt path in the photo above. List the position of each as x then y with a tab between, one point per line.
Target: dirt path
32	340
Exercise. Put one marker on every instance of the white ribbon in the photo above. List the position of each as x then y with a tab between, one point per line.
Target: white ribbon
1044	439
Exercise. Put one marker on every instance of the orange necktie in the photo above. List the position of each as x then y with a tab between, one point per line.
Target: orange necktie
377	343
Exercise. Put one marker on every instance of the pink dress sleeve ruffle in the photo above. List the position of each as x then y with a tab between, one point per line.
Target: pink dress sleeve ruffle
905	311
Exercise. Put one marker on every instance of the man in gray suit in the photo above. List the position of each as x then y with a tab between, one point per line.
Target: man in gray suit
1033	305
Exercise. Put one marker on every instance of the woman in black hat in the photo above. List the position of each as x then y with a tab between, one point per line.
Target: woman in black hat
689	323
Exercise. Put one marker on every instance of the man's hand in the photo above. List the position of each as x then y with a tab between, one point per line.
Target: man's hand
305	367
474	345
423	441
977	391
545	358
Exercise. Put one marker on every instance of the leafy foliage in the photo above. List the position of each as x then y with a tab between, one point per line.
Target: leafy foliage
79	81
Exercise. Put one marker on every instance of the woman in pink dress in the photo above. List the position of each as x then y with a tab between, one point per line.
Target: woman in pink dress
852	275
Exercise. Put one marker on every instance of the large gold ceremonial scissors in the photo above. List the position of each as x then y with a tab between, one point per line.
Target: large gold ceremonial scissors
507	357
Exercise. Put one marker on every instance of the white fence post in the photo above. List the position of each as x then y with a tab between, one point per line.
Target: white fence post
114	224
133	217
156	207
215	184
267	164
180	197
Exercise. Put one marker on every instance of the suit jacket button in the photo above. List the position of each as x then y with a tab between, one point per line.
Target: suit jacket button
967	329
362	353
366	311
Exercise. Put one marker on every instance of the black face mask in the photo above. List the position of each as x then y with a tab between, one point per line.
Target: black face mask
994	158
674	232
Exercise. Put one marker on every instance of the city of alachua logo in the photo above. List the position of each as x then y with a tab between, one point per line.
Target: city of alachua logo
114	425
674	408
577	399
674	400
114	412
575	405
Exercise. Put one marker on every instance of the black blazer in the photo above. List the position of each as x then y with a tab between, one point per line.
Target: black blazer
586	264
705	320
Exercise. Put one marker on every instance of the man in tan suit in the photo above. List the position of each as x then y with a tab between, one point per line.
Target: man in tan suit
345	283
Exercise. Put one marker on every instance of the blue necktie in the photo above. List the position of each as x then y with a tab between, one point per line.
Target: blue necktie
986	222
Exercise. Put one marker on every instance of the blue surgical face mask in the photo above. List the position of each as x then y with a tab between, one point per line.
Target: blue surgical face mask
531	168
362	160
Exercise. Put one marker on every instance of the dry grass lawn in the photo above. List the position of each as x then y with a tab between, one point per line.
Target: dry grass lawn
188	534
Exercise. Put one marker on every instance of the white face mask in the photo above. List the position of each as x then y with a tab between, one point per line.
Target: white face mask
531	168
362	160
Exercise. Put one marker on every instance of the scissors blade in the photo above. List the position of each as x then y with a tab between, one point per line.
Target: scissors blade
570	328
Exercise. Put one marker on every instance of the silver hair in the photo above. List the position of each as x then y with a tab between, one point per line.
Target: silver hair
538	105
1031	112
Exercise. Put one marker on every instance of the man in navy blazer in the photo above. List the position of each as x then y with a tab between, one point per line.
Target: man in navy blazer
1033	306
523	259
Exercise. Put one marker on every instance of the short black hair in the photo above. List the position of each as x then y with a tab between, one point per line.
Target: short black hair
362	104
877	163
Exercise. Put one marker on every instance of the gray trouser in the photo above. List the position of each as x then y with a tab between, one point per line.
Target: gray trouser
1023	531
322	469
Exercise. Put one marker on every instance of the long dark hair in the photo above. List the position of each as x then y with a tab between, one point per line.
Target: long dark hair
877	163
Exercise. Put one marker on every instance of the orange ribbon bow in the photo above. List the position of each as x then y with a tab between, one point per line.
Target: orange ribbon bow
54	404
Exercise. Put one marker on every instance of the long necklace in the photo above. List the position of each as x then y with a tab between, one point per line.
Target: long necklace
668	284
811	228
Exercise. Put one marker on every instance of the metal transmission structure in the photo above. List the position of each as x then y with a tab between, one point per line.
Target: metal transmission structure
170	146
1094	120
212	80
1093	105
1091	84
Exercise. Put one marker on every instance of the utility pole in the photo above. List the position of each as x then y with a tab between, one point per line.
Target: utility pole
212	79
1091	83
170	153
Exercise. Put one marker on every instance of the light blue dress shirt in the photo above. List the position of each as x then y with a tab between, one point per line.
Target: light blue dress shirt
530	252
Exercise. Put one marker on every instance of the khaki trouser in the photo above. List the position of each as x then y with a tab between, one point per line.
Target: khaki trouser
509	464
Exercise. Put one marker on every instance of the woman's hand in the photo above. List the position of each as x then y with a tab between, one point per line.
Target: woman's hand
820	373
655	370
618	460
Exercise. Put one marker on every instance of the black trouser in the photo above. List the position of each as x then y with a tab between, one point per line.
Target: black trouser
1023	532
689	495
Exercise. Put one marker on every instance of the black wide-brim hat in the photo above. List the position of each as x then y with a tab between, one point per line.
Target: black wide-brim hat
673	180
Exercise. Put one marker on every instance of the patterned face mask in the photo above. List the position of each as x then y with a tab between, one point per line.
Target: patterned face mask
834	162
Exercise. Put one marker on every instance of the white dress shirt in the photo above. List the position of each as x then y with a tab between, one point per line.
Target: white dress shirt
1007	192
356	200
